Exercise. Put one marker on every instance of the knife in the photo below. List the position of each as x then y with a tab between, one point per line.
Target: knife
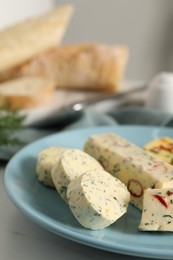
105	101
103	104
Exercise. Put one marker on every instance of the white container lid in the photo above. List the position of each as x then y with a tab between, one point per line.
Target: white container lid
160	92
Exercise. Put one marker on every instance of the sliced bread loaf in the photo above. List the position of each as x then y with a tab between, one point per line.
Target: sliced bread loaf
26	39
79	66
26	92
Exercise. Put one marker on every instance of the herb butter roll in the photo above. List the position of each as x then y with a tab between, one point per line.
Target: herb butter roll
72	164
136	168
46	159
97	199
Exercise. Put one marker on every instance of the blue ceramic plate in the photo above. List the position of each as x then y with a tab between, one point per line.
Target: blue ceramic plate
44	206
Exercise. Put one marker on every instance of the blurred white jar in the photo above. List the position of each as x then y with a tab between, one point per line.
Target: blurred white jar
13	11
160	92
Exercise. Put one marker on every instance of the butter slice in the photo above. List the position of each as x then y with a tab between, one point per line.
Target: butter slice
157	214
97	199
136	168
45	162
72	164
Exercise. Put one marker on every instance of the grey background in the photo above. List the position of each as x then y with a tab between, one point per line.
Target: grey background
146	27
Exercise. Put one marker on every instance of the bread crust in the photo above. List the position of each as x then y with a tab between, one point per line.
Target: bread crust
86	66
29	38
26	92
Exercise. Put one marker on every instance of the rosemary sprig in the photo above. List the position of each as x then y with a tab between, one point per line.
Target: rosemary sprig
10	122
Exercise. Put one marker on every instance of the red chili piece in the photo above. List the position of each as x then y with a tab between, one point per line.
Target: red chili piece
161	200
159	164
130	186
169	149
162	147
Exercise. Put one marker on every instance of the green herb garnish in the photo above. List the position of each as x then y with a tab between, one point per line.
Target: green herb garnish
10	122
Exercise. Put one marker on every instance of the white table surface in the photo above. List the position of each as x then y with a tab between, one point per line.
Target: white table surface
22	239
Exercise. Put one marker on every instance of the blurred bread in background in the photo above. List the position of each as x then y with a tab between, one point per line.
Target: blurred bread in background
26	92
79	66
34	62
26	39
